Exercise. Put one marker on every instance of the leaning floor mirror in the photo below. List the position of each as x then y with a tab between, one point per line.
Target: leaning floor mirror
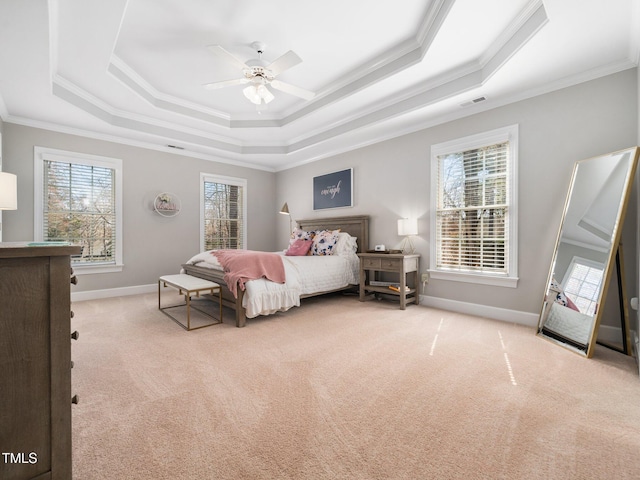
586	250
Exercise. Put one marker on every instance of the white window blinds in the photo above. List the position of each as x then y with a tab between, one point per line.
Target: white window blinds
79	206
224	215
583	284
472	225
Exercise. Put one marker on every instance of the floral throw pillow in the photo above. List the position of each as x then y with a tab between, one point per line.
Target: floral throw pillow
324	242
299	234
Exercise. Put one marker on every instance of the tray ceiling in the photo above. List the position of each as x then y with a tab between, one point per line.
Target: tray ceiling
133	71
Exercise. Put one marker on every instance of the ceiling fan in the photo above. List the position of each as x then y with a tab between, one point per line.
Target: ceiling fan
260	74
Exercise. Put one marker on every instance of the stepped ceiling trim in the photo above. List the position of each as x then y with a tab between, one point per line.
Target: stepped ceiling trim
133	70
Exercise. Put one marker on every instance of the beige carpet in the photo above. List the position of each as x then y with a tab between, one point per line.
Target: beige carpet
339	389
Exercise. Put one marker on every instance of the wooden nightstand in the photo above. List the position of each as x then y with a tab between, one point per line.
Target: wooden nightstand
390	262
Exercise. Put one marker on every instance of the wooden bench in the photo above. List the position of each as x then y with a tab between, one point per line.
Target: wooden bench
189	286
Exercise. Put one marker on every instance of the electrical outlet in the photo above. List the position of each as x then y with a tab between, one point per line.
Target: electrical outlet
425	278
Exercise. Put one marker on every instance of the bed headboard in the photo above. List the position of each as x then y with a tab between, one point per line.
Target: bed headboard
356	226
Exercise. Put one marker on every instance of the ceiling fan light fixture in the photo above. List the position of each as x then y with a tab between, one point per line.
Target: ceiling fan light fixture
265	94
257	94
260	74
251	92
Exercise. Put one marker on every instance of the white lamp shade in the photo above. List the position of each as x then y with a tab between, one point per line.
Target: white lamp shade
8	191
407	226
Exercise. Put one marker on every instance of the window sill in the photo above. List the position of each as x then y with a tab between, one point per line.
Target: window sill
494	280
80	269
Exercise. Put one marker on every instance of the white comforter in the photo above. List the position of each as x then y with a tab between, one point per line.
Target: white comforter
305	276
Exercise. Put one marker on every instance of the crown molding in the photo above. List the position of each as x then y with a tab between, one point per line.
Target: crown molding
394	60
466	78
530	21
128	77
383	134
331	145
54	127
83	100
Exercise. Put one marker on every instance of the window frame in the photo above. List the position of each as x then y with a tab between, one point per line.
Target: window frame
235	181
41	154
584	262
506	134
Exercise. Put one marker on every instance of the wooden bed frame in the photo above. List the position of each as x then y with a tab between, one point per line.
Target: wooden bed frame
356	226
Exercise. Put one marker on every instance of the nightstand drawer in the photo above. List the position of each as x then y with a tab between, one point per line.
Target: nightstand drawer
372	262
391	263
382	263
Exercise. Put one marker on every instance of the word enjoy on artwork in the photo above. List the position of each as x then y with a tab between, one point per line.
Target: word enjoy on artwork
332	190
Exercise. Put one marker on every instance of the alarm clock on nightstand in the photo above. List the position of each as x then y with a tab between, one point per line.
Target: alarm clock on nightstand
379	248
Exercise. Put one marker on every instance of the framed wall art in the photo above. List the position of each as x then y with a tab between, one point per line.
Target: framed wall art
333	190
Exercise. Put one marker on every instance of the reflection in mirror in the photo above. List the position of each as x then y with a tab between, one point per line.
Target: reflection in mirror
586	248
614	331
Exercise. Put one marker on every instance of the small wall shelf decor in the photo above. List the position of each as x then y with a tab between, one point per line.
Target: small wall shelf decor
167	204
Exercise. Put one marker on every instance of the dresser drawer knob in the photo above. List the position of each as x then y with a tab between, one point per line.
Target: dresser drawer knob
75	399
72	314
72	364
75	335
74	280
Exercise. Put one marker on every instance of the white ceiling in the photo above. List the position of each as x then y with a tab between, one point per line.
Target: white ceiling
133	70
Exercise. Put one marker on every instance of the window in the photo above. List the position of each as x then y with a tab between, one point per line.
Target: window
473	227
582	284
223	212
78	199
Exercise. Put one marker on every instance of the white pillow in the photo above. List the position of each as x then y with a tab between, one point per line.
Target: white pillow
346	244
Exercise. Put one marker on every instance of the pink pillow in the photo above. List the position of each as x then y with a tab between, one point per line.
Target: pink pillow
299	248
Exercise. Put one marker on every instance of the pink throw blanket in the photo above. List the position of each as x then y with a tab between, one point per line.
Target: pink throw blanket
240	266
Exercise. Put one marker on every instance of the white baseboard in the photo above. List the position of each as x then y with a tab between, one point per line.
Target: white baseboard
606	333
512	316
503	314
113	292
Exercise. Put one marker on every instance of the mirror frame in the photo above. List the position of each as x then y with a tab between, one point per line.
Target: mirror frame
613	251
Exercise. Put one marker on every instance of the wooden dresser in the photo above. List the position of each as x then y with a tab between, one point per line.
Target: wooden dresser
35	361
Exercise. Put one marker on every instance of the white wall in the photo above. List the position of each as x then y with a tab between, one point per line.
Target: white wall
392	178
153	245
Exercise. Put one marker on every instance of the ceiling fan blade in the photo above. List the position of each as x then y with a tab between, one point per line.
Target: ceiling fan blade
222	54
282	63
226	83
292	89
